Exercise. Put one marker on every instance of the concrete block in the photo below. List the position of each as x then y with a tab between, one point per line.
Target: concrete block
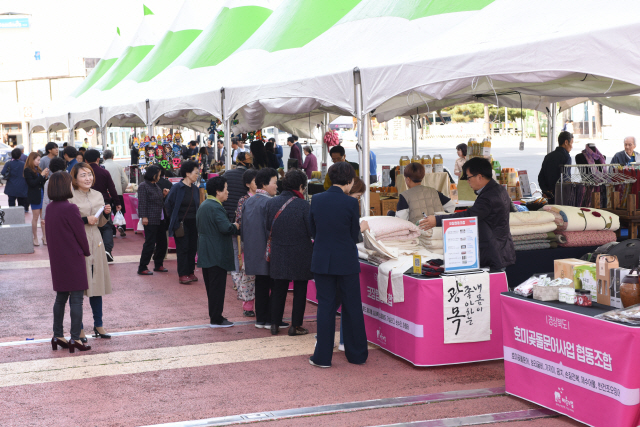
16	239
13	215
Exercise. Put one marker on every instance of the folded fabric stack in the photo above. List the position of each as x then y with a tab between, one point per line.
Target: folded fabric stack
529	242
389	228
432	240
534	222
583	226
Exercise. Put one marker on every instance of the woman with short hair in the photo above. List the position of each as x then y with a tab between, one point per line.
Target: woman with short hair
35	181
95	213
290	250
68	247
182	204
310	164
150	210
56	164
215	251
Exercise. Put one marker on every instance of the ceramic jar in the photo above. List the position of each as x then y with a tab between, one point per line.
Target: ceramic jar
630	289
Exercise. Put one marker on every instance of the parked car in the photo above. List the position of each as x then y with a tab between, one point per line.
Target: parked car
5	152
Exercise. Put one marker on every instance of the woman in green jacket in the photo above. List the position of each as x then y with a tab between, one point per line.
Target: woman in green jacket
215	248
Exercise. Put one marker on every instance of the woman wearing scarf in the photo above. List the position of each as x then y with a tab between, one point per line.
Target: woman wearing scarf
290	250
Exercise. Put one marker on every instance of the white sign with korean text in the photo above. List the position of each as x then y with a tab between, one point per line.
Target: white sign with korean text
467	312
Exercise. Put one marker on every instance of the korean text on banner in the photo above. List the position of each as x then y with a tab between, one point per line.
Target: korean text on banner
461	244
467	309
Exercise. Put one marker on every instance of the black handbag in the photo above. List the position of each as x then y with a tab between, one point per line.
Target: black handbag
179	232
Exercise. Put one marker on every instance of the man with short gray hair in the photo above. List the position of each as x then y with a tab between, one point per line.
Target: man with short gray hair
628	155
120	181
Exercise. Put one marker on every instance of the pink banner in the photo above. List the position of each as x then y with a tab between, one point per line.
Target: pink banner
131	208
574	364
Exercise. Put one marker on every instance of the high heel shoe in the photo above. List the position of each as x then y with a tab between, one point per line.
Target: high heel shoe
83	337
55	342
35	242
44	241
75	344
97	334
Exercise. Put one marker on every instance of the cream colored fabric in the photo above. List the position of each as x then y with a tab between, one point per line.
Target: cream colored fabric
100	281
439	181
519	230
421	199
396	268
532	217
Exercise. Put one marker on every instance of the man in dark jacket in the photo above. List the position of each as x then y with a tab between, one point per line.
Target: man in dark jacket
104	184
552	165
237	189
492	209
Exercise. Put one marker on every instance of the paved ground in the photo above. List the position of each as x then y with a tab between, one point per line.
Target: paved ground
145	377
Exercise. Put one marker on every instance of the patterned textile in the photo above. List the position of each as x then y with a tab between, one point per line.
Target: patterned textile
239	208
245	285
587	238
583	219
529	242
532	246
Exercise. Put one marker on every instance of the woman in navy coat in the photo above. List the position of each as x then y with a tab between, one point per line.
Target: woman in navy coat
16	187
334	219
68	247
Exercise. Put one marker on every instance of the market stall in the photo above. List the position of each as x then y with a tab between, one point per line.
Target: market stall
561	357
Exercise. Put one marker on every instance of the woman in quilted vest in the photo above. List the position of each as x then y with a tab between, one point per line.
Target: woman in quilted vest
419	199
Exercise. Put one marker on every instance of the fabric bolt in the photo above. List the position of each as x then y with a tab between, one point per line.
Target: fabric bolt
532	246
97	266
434	233
587	238
518	230
534	236
435	244
412	235
529	218
585	219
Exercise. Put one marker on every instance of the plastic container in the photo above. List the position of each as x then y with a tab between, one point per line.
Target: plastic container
472	148
404	161
583	298
570	296
486	147
427	163
416	159
438	163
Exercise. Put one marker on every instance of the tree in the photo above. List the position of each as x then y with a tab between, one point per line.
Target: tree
469	112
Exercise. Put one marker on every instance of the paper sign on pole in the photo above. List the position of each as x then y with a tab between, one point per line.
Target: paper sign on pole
525	186
467	310
460	244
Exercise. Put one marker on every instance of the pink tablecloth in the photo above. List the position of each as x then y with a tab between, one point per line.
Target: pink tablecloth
131	208
571	362
414	329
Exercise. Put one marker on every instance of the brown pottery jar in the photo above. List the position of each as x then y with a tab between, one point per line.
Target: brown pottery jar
630	289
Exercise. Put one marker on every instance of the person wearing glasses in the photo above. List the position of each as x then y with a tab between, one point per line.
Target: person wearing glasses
492	208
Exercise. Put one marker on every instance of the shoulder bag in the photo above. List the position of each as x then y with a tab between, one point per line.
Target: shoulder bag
179	232
267	254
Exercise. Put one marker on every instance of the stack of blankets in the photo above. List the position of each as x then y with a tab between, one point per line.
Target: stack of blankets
533	230
432	240
583	226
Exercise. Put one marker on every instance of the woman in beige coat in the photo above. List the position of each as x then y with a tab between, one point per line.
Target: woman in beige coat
90	202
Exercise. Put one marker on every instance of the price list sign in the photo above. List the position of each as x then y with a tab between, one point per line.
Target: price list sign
460	244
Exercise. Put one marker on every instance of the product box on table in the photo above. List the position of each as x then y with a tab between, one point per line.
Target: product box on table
616	276
374	203
604	265
584	277
388	205
563	268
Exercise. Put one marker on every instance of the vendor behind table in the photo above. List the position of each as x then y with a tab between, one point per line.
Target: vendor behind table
492	209
552	164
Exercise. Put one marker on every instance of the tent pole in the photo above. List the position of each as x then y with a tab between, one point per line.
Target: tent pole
552	127
325	149
149	125
102	128
70	128
227	133
414	135
363	135
29	133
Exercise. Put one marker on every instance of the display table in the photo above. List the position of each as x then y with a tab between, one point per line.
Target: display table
131	210
529	263
414	329
560	357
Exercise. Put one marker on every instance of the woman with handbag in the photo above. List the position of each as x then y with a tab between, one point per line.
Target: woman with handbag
35	181
245	284
182	204
150	210
16	187
289	250
94	214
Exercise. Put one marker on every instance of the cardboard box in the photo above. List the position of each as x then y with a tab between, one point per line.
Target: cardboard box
604	264
616	276
584	277
564	267
388	205
375	203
